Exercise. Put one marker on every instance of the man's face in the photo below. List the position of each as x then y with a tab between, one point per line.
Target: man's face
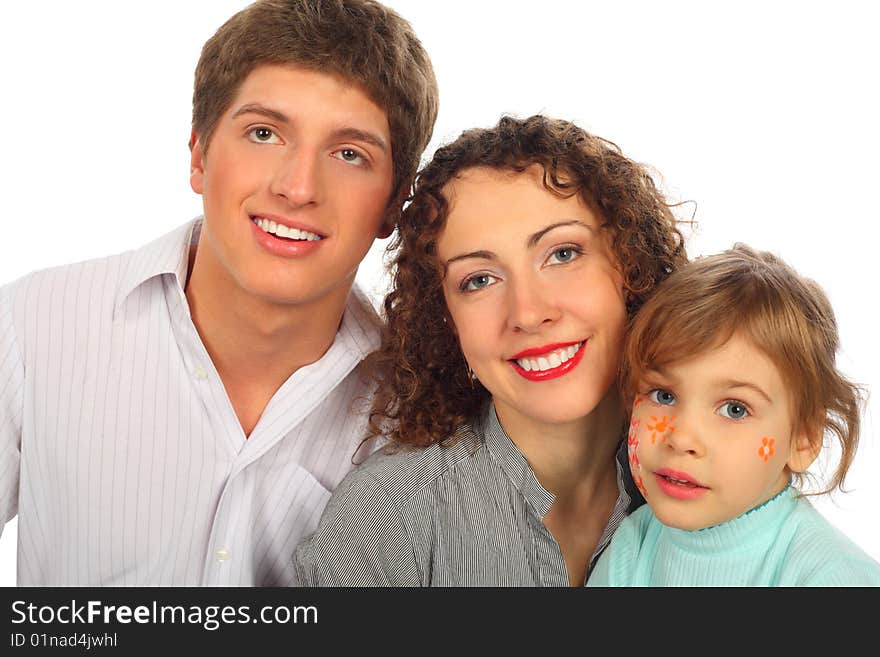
296	181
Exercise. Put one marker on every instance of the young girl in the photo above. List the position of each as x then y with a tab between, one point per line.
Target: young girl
731	368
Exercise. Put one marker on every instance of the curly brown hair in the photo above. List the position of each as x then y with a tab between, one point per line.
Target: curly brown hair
424	392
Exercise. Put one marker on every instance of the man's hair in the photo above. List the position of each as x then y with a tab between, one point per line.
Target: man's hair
758	297
361	41
424	391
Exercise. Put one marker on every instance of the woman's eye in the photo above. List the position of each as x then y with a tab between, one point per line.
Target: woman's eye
662	397
477	282
349	155
733	410
263	136
563	254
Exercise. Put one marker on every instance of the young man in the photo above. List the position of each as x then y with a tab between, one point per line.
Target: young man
178	415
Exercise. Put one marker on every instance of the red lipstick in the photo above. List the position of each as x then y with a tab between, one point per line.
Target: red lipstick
553	372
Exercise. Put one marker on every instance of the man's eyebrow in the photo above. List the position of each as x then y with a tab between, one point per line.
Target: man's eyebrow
534	239
262	110
356	134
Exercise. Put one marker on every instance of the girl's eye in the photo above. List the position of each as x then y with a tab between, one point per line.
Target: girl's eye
477	282
662	397
263	135
564	254
733	410
349	155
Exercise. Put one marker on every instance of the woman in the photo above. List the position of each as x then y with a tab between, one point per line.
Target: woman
523	253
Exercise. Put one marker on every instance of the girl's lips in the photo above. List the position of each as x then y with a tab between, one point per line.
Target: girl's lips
679	485
680	476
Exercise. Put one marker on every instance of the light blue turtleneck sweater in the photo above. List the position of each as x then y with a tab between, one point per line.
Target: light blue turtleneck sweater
783	542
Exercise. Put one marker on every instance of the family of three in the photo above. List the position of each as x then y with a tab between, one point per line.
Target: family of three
224	407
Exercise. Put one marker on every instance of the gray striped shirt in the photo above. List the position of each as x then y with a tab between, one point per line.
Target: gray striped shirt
121	452
467	515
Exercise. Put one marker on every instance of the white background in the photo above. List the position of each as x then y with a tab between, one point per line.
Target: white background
764	114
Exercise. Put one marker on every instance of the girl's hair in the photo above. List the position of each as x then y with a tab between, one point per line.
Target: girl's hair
424	391
755	295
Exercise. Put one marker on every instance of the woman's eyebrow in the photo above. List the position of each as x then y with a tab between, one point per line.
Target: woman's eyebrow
535	238
485	255
532	240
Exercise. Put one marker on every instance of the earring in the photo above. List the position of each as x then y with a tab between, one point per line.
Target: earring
471	376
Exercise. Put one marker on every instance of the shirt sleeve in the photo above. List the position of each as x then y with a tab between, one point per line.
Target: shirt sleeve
11	409
361	540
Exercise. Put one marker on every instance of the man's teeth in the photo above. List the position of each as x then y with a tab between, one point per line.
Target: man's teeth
550	361
283	231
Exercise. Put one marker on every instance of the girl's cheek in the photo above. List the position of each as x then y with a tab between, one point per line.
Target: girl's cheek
632	448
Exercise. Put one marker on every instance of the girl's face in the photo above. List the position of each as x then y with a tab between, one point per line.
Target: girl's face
711	437
534	293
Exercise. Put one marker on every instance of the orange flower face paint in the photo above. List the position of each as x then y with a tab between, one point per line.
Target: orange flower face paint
661	427
635	466
765	451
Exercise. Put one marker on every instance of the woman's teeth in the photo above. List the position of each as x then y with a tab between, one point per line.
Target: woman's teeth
549	361
280	230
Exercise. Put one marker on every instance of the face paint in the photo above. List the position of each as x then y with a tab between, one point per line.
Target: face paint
661	428
765	451
635	466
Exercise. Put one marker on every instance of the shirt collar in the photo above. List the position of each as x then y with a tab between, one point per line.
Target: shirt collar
513	463
360	323
360	326
518	470
167	255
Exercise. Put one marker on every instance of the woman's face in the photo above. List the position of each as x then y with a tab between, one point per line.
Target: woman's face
534	293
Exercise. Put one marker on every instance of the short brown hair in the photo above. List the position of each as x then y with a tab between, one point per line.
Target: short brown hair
755	295
424	391
361	41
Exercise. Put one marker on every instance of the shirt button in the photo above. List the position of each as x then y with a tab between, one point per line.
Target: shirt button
222	555
200	372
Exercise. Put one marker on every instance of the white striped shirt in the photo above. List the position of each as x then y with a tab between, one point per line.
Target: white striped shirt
120	450
467	515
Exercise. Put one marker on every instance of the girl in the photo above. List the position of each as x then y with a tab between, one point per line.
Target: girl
731	365
525	249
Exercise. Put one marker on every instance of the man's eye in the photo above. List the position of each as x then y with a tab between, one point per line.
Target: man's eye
263	136
734	410
662	397
350	155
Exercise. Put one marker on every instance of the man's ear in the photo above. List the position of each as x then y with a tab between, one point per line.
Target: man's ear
196	163
393	211
805	447
387	225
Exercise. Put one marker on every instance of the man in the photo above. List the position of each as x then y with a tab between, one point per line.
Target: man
178	415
